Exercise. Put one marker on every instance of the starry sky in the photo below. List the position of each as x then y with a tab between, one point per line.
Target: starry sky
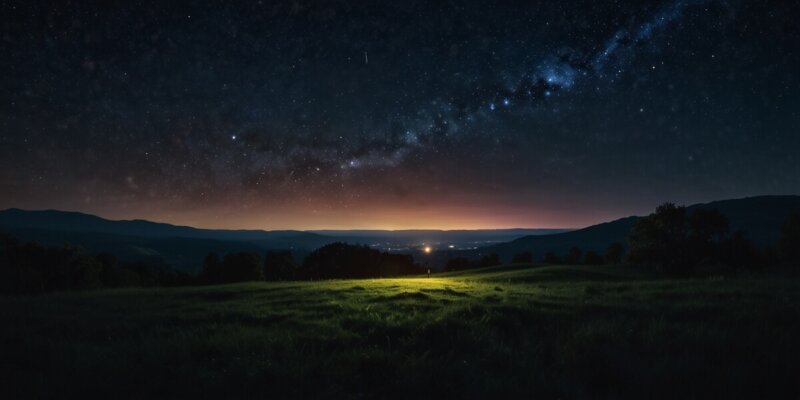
389	115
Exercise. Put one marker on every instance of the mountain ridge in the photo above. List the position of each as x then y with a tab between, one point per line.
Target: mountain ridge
760	217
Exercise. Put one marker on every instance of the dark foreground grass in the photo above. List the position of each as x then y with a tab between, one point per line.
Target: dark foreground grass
555	332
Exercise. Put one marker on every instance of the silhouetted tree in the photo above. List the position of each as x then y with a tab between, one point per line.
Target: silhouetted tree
9	269
523	257
660	240
551	258
457	264
152	271
592	258
109	268
398	264
708	225
770	256
489	260
241	267
32	268
614	253
212	268
676	244
739	252
342	260
279	265
707	229
113	275
790	241
573	256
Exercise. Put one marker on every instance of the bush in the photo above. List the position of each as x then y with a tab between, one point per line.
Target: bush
551	258
524	257
457	264
592	258
489	260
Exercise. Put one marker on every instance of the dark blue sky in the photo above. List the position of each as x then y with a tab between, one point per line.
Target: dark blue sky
395	114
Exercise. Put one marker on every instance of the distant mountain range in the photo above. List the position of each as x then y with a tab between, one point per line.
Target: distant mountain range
759	217
184	247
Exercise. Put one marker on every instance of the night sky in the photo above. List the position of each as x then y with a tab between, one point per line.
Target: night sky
379	114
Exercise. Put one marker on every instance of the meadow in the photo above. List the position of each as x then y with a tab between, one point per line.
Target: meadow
513	331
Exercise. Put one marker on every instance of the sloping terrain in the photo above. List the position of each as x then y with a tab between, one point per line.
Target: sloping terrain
760	218
509	331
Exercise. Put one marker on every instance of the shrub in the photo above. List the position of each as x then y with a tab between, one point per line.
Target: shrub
523	257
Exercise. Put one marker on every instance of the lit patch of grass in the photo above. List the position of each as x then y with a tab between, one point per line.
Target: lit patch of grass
509	331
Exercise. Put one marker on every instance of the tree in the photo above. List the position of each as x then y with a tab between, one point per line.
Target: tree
342	260
33	268
279	265
659	240
614	253
152	271
573	255
489	260
592	258
397	264
86	272
523	257
212	268
708	225
241	267
457	264
790	241
109	268
707	229
739	252
551	258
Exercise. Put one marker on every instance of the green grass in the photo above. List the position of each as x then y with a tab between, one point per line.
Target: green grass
566	332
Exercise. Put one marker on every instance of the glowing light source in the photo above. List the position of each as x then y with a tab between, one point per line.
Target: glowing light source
427	249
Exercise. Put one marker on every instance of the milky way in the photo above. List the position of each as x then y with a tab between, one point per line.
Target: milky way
557	74
395	114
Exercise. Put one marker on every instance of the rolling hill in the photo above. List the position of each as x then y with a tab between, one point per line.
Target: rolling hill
184	247
759	217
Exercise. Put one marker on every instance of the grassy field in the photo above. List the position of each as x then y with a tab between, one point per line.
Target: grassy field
556	332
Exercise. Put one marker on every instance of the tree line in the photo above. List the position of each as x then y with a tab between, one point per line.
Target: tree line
613	255
678	243
332	261
34	268
462	263
670	240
